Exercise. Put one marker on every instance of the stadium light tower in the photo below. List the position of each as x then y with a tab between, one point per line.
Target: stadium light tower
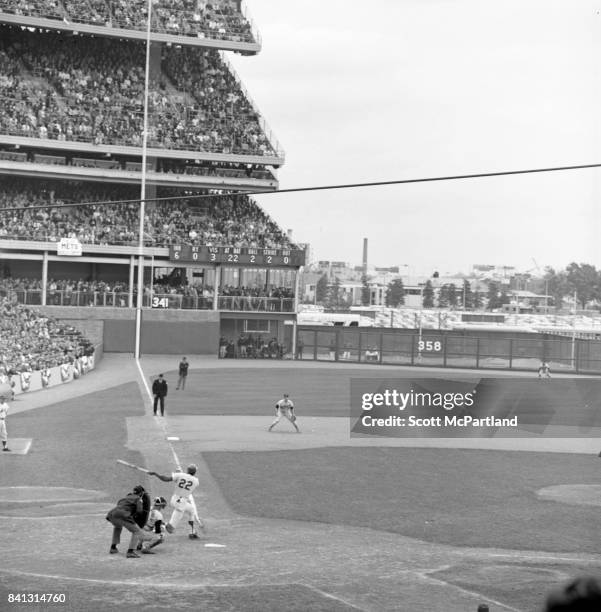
140	300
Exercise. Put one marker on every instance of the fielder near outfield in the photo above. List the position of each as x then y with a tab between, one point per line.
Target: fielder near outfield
285	408
181	500
3	432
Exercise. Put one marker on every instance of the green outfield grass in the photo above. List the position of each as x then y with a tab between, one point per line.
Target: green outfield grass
480	499
254	391
75	444
457	497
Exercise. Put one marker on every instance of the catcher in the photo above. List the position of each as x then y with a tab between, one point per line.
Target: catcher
155	523
284	408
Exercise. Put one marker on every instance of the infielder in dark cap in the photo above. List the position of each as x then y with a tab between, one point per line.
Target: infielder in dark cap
284	408
124	515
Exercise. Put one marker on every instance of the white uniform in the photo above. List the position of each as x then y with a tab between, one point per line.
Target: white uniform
284	409
181	501
154	516
3	413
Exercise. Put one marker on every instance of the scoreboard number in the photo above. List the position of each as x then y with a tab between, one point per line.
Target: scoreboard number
237	255
160	302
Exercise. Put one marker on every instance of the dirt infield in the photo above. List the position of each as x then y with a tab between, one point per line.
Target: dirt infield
312	559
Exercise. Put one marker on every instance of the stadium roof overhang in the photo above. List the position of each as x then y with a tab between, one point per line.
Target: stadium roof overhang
74	173
101	149
121	33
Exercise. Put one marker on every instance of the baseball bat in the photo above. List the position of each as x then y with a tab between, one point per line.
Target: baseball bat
131	465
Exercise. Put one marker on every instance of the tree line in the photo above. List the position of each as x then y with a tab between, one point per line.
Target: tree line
580	280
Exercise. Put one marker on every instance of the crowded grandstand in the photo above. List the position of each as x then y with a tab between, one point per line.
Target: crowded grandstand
71	163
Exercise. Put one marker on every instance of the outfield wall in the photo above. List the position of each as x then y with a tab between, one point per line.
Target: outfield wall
163	332
480	349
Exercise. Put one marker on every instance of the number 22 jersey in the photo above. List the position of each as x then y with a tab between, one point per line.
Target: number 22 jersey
184	484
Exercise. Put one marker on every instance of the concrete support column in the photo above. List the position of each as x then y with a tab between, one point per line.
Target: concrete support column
132	267
217	287
297	283
44	277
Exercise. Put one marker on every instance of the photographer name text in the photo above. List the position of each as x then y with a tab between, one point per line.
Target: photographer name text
447	421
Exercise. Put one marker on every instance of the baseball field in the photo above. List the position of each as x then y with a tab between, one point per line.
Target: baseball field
311	521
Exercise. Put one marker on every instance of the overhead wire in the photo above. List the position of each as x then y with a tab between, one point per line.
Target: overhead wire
428	179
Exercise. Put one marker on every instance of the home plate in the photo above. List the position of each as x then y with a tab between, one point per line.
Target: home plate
214	545
172	438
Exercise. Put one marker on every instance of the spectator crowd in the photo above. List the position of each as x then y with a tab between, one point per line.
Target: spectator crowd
91	90
30	341
235	220
196	295
215	19
250	346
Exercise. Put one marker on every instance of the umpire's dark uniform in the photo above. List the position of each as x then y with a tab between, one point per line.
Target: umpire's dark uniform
159	390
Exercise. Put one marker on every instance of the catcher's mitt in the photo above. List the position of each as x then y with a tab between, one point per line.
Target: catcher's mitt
141	518
293	418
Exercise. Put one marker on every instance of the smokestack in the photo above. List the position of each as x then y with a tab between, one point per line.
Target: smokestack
364	255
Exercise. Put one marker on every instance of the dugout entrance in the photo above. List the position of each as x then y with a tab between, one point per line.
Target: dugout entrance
261	335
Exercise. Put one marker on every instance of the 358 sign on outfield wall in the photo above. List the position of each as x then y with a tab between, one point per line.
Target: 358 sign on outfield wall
429	345
237	256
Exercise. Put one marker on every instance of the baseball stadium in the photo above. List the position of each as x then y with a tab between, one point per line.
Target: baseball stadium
130	151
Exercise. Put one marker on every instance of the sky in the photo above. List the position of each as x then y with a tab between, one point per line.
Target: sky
403	89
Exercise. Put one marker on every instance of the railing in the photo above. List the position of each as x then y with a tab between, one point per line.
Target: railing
255	304
172	174
174	301
157	242
270	135
42	236
112	299
177	301
29	297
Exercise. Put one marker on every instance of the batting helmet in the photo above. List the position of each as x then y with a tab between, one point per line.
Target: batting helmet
160	502
192	469
139	489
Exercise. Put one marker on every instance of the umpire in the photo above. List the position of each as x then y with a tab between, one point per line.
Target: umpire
129	512
159	390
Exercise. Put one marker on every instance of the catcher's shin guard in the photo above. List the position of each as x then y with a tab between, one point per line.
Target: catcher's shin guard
157	541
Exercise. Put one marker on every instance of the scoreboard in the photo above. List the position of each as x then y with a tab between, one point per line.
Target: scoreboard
292	258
